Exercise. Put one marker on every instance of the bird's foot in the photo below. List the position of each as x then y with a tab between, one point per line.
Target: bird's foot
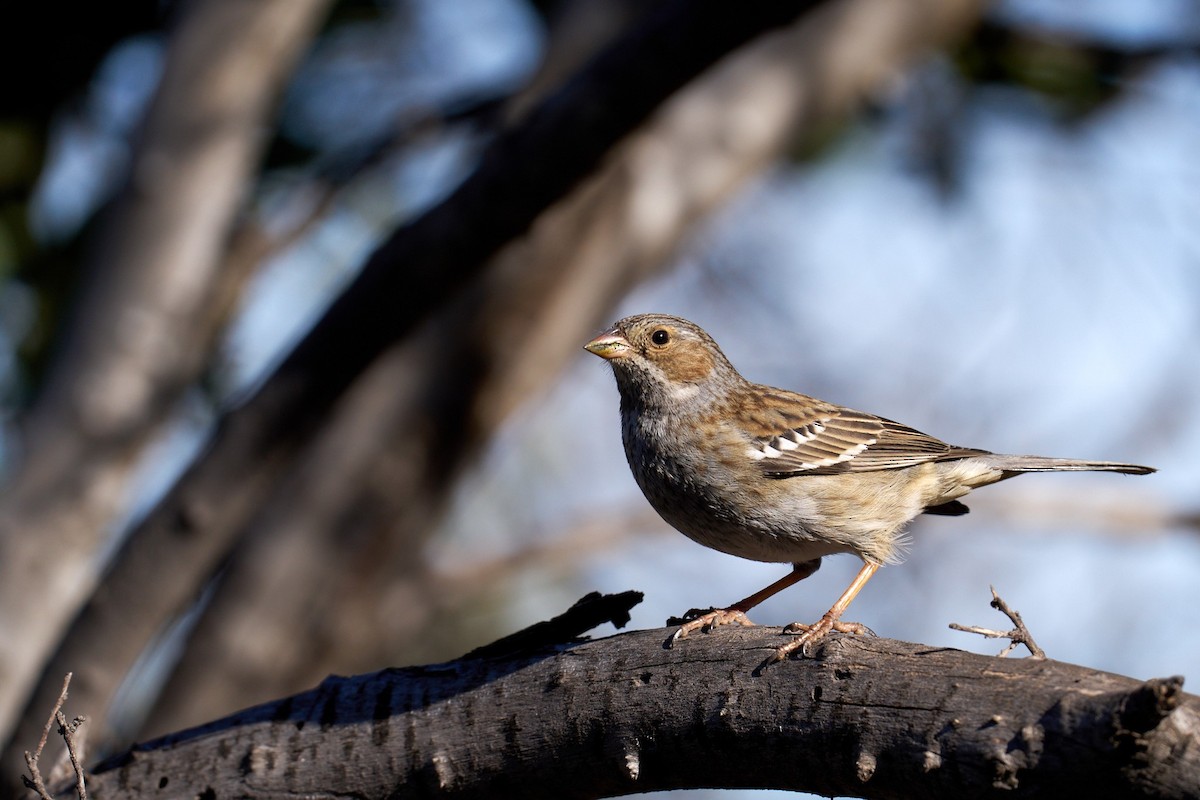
706	621
810	635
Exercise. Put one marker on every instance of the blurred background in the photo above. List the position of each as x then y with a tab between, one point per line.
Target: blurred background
979	220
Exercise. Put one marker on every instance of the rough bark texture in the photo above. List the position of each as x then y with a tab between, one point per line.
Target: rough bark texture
867	717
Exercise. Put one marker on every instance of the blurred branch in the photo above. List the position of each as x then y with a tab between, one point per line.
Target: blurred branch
134	345
1119	511
585	540
1081	73
867	717
588	24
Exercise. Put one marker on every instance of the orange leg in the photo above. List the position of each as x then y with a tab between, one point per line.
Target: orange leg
736	613
811	634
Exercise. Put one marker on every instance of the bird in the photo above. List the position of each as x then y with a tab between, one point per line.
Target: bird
775	476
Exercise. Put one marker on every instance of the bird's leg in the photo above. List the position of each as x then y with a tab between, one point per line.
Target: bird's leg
736	613
831	621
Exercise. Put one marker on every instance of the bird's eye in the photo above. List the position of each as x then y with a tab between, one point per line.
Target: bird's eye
660	337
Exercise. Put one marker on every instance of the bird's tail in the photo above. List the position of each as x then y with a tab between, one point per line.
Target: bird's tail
1016	464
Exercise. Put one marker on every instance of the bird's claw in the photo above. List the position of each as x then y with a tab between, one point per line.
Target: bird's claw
810	635
689	615
835	625
706	622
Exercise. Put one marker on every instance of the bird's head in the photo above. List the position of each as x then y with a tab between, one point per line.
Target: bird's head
660	360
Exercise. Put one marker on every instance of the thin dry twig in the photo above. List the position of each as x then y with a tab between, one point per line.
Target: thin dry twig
74	749
34	781
67	730
1017	636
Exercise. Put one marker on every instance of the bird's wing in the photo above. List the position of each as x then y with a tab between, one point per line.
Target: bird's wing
796	435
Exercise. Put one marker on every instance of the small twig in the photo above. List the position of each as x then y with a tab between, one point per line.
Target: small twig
34	781
73	749
67	730
1017	636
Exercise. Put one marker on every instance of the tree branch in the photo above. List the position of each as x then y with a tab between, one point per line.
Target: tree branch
866	717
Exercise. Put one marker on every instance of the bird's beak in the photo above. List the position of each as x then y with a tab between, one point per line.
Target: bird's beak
609	345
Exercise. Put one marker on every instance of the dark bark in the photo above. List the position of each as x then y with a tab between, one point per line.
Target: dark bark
866	717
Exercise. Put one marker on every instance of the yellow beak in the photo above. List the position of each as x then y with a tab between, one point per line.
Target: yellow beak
609	345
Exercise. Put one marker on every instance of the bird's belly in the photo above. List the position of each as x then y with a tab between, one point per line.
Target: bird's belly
713	512
758	544
786	520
